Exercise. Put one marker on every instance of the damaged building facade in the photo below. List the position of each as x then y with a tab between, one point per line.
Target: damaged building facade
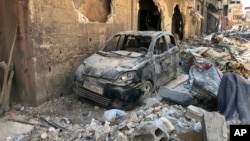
53	36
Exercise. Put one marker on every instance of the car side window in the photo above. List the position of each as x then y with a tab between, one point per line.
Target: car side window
160	46
170	41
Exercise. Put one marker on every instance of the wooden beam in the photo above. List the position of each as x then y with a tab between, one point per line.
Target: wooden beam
6	74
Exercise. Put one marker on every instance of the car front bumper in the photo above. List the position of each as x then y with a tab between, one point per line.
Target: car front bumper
112	96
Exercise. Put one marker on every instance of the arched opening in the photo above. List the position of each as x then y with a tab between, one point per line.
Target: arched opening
149	17
177	23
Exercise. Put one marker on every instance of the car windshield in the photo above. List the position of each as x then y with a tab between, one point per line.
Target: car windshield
131	43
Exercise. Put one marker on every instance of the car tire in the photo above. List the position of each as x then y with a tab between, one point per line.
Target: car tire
147	90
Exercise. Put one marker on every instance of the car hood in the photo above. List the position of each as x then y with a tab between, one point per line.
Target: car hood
108	65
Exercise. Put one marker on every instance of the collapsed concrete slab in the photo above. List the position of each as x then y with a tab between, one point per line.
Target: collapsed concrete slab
178	97
214	127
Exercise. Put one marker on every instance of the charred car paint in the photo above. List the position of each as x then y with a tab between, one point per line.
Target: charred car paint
128	68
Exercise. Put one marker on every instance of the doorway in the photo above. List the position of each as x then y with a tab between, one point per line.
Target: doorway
177	23
149	17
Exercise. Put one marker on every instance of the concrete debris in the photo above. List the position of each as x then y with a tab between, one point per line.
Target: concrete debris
102	132
214	127
222	51
64	122
44	135
168	124
195	112
121	137
151	131
133	117
152	102
156	120
176	96
191	136
163	117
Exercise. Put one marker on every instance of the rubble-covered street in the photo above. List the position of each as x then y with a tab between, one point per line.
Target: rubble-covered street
179	111
124	70
69	118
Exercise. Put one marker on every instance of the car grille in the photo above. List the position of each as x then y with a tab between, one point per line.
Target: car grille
93	96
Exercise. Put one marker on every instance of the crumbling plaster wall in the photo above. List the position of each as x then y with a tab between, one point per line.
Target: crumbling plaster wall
59	36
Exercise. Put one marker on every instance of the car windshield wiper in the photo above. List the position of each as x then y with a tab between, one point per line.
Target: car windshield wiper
111	53
128	55
103	53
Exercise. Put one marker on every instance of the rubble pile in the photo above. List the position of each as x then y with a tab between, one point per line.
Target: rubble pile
152	121
229	54
171	115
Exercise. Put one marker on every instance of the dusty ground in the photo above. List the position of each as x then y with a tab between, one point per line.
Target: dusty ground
75	110
72	109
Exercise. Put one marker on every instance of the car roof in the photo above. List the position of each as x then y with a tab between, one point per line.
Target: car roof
144	33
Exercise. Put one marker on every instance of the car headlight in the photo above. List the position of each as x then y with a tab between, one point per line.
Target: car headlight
78	72
127	76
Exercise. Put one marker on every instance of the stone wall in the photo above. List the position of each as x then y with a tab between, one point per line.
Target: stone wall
58	35
8	12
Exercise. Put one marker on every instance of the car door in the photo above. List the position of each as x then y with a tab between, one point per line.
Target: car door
162	61
174	51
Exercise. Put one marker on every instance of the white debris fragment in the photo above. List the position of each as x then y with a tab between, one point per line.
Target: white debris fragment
133	117
168	124
44	135
113	114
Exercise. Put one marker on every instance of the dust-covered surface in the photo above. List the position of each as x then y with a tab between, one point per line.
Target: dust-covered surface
77	119
159	118
69	110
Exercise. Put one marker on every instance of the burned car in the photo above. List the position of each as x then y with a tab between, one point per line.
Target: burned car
128	68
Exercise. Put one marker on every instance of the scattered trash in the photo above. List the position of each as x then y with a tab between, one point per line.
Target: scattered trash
20	138
9	138
113	114
64	122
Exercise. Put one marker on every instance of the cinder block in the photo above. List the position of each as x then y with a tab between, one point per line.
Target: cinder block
214	127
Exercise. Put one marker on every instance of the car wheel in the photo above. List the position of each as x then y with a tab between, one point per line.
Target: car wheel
147	89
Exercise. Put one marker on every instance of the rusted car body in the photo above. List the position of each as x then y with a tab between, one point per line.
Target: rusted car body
128	68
